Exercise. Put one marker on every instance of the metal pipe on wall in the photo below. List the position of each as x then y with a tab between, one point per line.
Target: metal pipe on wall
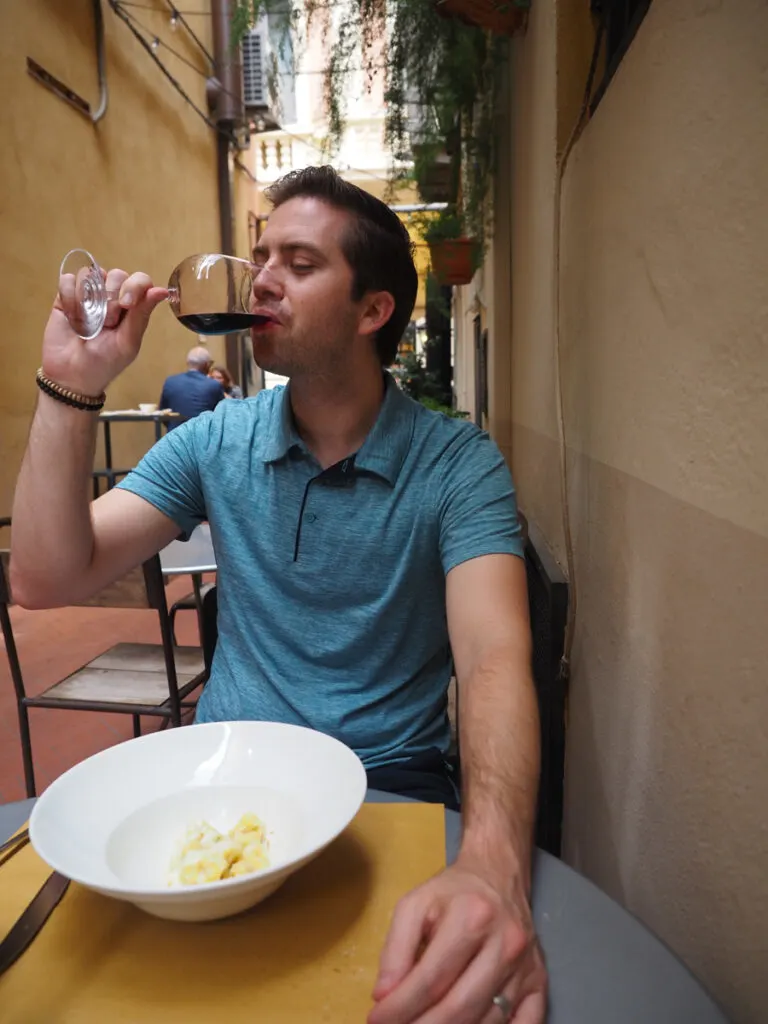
98	17
228	114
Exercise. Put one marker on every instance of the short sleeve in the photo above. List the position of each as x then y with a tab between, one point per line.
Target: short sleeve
168	477
476	507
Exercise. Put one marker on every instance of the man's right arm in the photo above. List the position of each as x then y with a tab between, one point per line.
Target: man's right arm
64	549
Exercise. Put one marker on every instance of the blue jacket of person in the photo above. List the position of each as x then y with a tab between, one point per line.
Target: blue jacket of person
192	392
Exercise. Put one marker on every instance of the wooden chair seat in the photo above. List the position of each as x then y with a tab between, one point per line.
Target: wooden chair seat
128	674
150	658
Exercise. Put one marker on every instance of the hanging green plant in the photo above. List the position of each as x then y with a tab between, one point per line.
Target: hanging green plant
440	226
440	77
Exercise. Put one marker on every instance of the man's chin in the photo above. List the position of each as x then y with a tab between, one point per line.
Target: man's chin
268	362
264	354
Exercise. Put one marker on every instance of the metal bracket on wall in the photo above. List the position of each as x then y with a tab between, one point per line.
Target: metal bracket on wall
62	91
69	95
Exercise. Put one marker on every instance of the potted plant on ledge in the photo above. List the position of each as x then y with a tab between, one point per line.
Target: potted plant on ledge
507	17
455	257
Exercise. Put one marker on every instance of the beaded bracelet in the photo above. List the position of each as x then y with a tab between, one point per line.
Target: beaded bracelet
85	402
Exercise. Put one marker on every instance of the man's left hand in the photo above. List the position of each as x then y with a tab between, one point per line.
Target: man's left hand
454	944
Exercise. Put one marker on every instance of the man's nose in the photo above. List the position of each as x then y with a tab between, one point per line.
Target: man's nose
266	283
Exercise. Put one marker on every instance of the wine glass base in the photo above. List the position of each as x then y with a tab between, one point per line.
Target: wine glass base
83	293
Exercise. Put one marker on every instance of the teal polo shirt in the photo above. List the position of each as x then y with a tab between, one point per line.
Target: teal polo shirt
331	584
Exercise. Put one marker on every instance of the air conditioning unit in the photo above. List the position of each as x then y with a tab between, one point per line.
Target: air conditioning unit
255	88
268	81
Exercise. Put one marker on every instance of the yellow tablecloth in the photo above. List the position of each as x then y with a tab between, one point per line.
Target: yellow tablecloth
307	954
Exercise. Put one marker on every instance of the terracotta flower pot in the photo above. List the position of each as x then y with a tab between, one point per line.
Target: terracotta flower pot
453	260
506	17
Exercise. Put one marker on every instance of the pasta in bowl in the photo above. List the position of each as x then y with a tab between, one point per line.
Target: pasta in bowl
207	855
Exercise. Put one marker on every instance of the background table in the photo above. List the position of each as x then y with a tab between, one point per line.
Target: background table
604	966
106	418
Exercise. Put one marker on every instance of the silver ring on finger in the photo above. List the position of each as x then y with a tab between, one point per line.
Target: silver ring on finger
501	1002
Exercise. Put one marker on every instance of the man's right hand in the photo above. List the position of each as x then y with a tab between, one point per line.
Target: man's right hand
88	367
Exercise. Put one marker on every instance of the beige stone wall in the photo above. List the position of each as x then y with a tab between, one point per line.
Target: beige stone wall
497	272
138	190
463	358
664	335
533	147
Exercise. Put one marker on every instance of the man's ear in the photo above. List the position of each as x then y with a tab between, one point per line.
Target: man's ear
377	308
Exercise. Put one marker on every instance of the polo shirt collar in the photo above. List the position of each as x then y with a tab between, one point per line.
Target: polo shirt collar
283	434
384	449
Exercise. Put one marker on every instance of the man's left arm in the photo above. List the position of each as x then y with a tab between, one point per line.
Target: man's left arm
466	937
488	623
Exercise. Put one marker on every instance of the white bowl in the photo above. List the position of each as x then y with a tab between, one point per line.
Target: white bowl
113	821
147	406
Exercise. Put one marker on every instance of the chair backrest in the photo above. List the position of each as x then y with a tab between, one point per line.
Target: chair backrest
6	629
142	587
548	606
210	626
5	586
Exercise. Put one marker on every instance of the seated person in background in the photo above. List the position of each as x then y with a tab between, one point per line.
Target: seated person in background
365	547
223	376
192	392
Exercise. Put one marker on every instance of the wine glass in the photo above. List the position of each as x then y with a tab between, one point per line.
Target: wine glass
209	293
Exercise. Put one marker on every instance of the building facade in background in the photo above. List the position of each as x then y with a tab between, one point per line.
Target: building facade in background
292	132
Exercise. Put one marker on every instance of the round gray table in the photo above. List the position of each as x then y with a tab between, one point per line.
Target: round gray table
604	966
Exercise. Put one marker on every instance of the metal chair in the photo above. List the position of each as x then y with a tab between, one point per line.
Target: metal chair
129	678
210	626
192	602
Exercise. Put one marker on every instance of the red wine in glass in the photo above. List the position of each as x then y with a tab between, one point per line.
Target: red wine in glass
220	323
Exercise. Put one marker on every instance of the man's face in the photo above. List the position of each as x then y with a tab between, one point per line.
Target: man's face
305	285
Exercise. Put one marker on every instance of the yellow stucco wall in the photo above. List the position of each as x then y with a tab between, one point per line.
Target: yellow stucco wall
665	373
138	190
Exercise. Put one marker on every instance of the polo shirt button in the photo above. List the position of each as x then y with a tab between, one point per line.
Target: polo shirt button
311	517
